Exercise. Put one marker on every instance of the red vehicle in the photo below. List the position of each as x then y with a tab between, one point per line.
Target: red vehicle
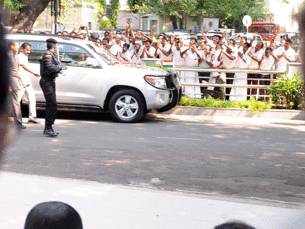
267	30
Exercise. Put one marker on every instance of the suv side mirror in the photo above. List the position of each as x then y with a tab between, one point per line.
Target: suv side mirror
92	62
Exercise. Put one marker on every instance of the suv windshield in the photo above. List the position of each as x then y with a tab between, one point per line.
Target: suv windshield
108	58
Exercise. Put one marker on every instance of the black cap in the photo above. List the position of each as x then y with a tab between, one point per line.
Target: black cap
51	40
95	35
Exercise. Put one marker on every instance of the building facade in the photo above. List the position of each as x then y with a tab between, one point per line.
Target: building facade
83	14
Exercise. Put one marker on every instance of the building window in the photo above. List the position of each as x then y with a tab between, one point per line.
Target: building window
89	25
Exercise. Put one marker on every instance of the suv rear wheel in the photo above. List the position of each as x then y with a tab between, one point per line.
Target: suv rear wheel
126	106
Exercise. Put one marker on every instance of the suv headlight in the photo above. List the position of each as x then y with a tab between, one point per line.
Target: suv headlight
156	81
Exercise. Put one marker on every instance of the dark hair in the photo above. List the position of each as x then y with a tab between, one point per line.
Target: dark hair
50	45
288	40
49	215
165	37
245	38
127	45
149	41
248	44
24	44
106	39
269	48
234	225
234	42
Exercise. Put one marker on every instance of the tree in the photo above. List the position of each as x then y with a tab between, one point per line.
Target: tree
176	9
29	10
114	9
229	12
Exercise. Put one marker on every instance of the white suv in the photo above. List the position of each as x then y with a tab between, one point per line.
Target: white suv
94	79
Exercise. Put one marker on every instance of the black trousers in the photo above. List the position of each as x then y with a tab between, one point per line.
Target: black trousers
207	77
230	79
48	88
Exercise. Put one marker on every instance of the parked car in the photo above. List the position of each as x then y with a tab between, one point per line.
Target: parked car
249	37
94	79
294	36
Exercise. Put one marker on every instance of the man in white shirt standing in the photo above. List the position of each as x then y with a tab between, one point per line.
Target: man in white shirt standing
117	45
285	55
256	54
192	57
163	49
266	63
125	54
242	62
228	62
27	89
148	50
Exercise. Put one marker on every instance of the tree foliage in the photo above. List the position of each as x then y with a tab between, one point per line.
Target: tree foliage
114	9
12	4
230	12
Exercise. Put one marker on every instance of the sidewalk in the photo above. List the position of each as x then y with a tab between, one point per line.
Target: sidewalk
113	206
236	112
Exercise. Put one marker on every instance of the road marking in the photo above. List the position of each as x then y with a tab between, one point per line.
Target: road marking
191	139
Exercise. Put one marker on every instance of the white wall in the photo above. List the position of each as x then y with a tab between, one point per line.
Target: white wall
283	13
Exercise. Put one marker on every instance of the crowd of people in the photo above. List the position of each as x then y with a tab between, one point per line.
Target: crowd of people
215	53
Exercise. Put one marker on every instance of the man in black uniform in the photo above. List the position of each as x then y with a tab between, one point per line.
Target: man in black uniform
49	69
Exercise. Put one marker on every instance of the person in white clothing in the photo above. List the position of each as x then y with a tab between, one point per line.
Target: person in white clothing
192	57
242	62
178	59
229	57
163	49
117	45
125	54
27	89
266	63
136	54
285	55
148	50
216	38
256	54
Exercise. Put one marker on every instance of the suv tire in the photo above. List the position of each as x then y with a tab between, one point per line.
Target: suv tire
126	106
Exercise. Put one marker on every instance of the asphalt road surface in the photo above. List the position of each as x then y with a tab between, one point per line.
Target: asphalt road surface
240	158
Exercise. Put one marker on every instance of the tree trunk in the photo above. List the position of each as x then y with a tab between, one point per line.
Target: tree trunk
181	23
28	14
174	21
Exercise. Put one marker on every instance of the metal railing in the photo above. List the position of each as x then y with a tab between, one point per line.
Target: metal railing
272	74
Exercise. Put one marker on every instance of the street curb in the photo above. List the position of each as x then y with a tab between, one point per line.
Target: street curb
237	112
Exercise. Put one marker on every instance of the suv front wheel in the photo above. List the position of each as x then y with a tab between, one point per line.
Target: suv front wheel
126	106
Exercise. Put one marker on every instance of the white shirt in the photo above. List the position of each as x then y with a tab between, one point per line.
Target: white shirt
211	43
166	48
127	55
25	75
191	58
134	58
227	63
282	63
242	64
267	63
116	48
177	56
254	64
151	52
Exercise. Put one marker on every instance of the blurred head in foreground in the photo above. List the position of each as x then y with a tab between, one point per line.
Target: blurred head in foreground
53	215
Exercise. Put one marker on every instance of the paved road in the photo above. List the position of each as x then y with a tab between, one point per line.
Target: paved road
223	156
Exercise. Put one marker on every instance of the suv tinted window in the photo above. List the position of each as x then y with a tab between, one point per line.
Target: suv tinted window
73	55
38	49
